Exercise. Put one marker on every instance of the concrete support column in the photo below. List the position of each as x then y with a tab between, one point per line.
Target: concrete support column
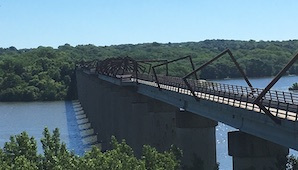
196	137
115	109
117	106
150	122
160	125
92	93
122	104
95	110
135	126
251	152
102	118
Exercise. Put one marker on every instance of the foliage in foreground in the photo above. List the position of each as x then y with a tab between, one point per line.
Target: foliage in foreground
292	163
21	153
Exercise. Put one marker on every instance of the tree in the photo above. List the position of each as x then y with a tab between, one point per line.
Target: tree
21	153
37	67
294	87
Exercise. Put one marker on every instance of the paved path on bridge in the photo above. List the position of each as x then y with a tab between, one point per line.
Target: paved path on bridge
229	104
283	114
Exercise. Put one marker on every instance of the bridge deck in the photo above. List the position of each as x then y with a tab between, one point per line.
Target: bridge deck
232	105
235	101
282	104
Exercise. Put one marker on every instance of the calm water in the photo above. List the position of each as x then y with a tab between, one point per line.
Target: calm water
34	116
221	130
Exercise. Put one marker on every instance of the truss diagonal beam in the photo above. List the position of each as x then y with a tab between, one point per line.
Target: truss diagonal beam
211	61
172	61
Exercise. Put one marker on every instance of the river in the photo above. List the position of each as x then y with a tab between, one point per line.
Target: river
221	130
34	116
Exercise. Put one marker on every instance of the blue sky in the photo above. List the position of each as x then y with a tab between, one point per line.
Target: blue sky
33	23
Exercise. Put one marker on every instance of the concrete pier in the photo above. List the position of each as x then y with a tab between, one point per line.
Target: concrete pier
122	112
141	120
142	114
150	123
196	137
251	152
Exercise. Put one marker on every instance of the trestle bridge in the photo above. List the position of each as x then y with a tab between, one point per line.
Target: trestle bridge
263	113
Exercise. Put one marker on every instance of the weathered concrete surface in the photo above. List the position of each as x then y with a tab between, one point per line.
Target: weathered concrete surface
247	121
126	114
120	111
251	152
196	137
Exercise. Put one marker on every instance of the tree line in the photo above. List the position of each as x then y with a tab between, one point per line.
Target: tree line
47	73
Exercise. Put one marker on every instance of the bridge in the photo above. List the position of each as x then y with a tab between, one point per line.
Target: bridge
127	98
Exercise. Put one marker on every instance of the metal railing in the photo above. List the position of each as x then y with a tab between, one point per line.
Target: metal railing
276	104
281	104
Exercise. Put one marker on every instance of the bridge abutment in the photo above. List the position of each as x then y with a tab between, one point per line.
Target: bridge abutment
196	137
251	152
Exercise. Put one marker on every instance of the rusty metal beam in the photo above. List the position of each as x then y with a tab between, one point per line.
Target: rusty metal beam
151	61
148	62
193	67
240	70
205	64
209	62
171	61
270	85
168	62
217	57
268	113
156	79
276	78
136	70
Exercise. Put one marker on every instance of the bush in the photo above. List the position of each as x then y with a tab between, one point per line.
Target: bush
292	163
21	153
294	87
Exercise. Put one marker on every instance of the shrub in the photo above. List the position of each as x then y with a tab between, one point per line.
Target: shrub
21	153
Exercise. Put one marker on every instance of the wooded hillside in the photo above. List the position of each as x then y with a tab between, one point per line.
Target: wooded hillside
45	73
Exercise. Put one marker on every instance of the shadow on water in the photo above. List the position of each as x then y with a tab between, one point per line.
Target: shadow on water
75	142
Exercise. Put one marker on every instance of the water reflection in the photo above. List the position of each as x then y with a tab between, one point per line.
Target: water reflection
221	130
34	116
